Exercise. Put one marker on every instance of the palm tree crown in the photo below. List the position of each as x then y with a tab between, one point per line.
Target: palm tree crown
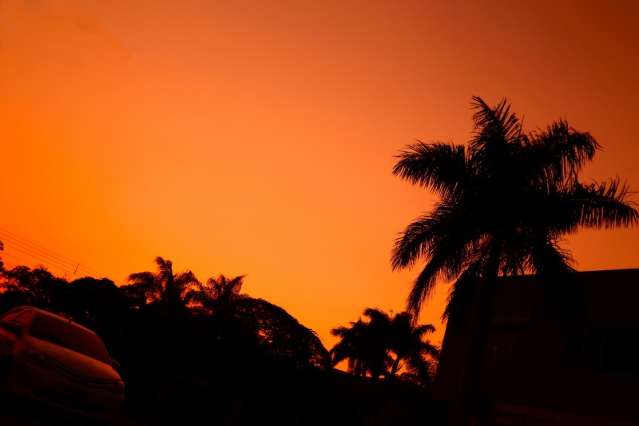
506	199
384	345
218	292
163	286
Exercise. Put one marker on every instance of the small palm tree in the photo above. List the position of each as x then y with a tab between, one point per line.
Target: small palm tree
364	350
163	286
385	345
408	345
218	293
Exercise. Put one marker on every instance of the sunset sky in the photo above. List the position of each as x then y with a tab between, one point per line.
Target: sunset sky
257	137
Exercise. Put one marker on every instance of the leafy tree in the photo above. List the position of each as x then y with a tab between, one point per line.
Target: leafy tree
279	334
38	287
95	302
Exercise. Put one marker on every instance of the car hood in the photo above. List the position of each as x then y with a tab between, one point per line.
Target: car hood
68	362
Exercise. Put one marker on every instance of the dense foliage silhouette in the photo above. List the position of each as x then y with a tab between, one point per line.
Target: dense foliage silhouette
205	353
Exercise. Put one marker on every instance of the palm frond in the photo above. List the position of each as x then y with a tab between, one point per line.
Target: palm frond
341	331
236	283
421	369
186	279
559	152
440	167
141	278
376	315
424	285
494	126
605	205
222	287
547	258
423	329
420	235
449	256
165	270
195	297
429	349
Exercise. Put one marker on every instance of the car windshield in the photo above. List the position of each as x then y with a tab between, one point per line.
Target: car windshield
67	334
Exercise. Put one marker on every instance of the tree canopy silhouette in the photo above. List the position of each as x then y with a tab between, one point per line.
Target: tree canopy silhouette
178	340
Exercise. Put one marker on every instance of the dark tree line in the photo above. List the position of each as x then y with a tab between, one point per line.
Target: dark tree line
195	352
185	348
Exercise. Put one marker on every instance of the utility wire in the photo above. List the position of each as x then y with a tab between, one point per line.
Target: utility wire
37	246
10	241
36	251
16	258
38	258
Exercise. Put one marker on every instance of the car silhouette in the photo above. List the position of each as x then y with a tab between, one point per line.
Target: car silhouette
53	360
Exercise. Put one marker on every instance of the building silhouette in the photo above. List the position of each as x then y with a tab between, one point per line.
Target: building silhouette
556	353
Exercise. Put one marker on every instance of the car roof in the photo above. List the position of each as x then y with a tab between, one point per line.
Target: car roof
50	315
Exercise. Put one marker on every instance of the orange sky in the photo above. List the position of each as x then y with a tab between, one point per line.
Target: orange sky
257	138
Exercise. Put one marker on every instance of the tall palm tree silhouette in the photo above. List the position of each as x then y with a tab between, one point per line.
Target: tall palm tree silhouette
381	345
164	286
505	201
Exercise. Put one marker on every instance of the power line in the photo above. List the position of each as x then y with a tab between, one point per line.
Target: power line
36	245
17	258
17	243
36	251
16	251
37	257
40	250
